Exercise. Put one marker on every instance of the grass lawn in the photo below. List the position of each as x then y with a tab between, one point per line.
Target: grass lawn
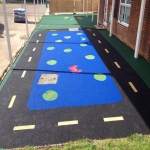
134	142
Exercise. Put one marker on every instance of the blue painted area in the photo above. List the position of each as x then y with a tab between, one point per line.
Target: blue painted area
73	89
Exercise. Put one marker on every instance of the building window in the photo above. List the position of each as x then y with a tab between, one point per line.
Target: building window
124	12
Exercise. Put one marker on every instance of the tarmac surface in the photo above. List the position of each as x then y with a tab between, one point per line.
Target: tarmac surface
21	126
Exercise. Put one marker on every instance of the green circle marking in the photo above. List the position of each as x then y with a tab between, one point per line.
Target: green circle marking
79	33
90	57
54	34
58	41
100	77
67	50
83	44
52	62
50	95
50	48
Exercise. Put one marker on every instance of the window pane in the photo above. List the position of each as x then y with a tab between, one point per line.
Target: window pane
122	13
122	1
128	1
127	15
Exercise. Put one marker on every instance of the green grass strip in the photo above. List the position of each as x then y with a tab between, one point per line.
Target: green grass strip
134	142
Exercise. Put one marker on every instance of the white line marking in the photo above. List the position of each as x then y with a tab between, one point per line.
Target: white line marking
99	41
29	59
53	30
26	127
23	74
133	87
37	41
89	29
34	49
39	34
64	123
12	101
73	29
106	50
94	34
113	119
118	66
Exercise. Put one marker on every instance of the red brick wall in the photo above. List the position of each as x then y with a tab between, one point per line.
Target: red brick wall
128	34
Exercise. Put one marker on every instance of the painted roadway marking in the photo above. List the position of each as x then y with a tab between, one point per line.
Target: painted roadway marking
113	119
118	66
26	127
94	34
34	49
99	41
53	30
23	74
37	41
73	29
39	34
89	29
64	123
29	59
106	50
12	101
133	87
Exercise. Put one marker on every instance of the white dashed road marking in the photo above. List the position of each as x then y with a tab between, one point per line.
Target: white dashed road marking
12	101
37	41
118	66
23	74
113	119
34	49
30	58
106	50
39	34
64	123
133	87
94	34
26	127
99	41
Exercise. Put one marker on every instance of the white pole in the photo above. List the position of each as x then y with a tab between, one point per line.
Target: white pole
86	8
98	12
34	12
41	9
83	5
8	37
111	20
92	9
38	9
26	19
139	32
74	6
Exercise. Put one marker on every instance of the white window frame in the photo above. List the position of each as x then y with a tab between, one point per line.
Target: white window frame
126	5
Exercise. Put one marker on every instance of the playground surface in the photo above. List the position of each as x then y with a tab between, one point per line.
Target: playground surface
70	83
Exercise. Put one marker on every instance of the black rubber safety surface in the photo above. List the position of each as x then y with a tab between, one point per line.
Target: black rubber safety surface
134	107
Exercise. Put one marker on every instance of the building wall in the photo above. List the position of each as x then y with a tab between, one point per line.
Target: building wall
128	34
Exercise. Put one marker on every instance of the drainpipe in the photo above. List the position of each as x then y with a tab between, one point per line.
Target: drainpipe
98	12
139	32
111	20
7	33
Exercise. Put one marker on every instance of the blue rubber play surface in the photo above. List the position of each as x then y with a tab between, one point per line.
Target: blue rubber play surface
75	74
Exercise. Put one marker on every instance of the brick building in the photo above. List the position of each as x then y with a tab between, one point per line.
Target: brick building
126	22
